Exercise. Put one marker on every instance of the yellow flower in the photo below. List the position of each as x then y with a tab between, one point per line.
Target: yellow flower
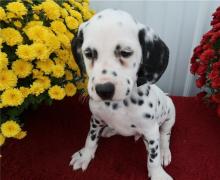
64	13
36	73
36	33
7	79
3	61
40	50
12	97
36	88
25	52
58	26
25	91
10	128
32	24
72	64
11	36
45	66
22	68
2	14
44	81
1	41
36	17
71	22
21	135
58	71
51	9
56	92
68	75
2	139
70	89
17	8
52	42
18	24
69	35
64	40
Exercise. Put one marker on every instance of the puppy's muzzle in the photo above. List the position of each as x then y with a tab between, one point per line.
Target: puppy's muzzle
105	91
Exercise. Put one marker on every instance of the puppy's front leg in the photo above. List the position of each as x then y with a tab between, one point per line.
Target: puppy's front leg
151	141
82	158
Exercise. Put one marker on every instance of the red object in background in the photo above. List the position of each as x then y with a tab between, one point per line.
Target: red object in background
205	61
55	133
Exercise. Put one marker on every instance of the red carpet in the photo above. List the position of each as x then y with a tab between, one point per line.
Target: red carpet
54	133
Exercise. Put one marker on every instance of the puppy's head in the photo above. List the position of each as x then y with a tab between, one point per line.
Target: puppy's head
118	53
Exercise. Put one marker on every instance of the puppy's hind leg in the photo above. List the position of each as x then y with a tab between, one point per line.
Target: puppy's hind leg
165	133
81	159
108	132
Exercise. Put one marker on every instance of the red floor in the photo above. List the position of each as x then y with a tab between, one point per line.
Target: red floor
54	133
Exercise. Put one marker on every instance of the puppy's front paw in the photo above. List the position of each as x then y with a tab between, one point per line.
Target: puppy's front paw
81	159
165	157
159	174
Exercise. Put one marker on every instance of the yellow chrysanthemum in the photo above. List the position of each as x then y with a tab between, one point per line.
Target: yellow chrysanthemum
10	128
45	66
52	42
18	24
7	79
21	135
3	61
70	89
51	9
64	13
44	81
40	50
58	71
64	40
17	8
36	17
36	88
22	68
25	91
25	52
36	73
32	24
58	26
56	92
68	75
37	33
2	139
2	14
12	97
11	36
72	64
71	22
1	41
69	35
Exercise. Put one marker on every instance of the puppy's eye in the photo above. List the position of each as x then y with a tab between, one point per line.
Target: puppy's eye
88	53
126	54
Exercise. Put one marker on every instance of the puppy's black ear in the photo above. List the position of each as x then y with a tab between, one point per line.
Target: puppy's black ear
155	55
76	46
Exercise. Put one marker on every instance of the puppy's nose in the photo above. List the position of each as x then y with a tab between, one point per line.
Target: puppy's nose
105	91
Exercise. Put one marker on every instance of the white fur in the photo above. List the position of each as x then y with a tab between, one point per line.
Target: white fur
118	27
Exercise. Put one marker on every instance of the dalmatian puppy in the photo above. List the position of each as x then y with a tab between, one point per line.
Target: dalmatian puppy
123	59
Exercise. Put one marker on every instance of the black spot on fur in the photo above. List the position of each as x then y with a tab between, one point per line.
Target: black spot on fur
140	93
168	111
104	71
146	115
93	137
92	131
133	100
151	105
94	126
151	142
99	16
133	126
80	154
127	92
115	106
114	73
159	102
151	160
128	81
152	117
147	92
140	102
153	155
107	103
125	102
97	122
